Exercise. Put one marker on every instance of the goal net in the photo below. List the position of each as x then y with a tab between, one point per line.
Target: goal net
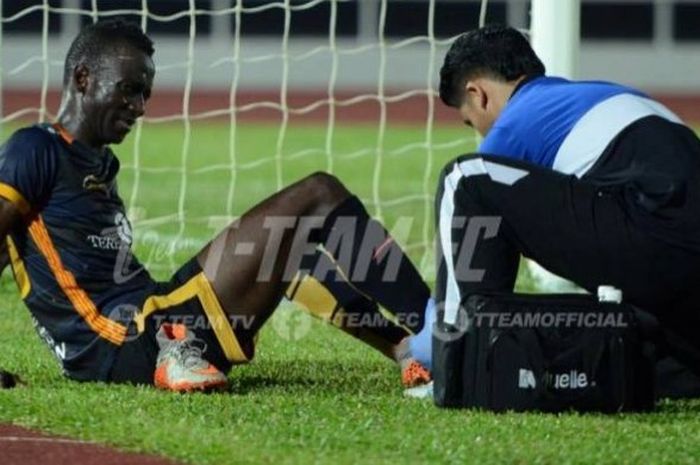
250	95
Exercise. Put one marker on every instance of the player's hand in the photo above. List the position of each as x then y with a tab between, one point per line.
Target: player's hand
421	344
9	380
4	256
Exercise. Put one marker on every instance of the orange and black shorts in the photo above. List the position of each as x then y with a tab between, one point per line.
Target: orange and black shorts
188	298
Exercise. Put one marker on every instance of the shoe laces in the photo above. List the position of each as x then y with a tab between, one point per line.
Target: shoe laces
190	352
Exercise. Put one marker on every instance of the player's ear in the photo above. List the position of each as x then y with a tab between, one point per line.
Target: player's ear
476	94
81	74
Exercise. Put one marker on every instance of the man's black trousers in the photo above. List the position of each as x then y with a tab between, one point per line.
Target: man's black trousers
594	230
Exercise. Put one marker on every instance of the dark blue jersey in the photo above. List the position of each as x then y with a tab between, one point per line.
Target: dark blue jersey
567	125
72	254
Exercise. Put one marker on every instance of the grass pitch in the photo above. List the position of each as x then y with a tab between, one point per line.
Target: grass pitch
312	395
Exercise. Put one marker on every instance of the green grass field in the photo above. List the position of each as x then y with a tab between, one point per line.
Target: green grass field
310	396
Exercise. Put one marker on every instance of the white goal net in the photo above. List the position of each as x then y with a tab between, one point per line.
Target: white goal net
252	94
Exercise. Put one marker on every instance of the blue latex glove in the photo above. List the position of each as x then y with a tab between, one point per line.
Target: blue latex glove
421	344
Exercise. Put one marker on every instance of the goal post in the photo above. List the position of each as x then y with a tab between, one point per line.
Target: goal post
555	34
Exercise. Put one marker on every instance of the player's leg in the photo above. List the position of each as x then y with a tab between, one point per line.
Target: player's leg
253	261
224	295
321	288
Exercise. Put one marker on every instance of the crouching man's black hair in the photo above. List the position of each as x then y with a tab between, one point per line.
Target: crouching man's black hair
497	52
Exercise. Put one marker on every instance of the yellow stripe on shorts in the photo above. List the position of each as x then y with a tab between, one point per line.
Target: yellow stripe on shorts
200	287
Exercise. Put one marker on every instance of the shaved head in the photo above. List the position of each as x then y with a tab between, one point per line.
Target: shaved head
101	40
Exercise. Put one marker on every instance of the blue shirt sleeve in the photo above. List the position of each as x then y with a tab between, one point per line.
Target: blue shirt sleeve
28	168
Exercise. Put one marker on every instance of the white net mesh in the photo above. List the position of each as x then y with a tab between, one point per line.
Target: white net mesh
336	75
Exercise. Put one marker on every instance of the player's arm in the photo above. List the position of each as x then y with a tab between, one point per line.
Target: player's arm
28	172
25	168
4	257
9	216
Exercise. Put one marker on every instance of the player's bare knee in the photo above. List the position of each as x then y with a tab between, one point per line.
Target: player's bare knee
326	188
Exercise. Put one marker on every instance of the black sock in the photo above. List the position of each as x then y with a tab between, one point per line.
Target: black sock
349	309
374	263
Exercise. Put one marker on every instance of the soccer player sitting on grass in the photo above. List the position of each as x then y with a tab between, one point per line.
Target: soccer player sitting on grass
99	310
593	180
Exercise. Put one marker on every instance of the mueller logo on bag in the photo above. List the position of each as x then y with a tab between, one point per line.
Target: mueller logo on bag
571	380
526	379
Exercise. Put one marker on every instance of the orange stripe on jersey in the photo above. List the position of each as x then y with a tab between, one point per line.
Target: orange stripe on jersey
10	193
103	326
65	135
